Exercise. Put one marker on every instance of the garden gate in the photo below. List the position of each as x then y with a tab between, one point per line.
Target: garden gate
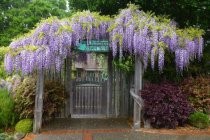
89	88
89	96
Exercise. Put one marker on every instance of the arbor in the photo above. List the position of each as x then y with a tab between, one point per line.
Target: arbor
131	33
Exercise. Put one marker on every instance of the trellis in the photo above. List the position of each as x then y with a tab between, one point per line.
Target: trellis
132	32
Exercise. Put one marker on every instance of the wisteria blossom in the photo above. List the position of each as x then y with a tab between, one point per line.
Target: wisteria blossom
132	32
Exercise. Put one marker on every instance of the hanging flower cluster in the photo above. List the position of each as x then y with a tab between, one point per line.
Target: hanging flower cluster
87	26
44	47
144	34
132	31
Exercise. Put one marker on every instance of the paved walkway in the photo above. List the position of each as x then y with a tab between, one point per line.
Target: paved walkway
104	129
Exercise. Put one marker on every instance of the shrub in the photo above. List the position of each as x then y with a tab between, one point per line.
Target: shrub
199	120
24	126
7	116
25	98
198	91
165	105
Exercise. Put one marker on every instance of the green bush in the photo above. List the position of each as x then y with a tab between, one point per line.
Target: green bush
24	126
25	98
7	116
199	120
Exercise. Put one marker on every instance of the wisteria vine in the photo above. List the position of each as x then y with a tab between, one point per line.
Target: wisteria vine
132	31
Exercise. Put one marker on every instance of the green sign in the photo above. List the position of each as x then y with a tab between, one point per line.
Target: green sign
94	46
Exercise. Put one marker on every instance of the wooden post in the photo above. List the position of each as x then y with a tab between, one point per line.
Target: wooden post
68	86
38	102
138	87
109	85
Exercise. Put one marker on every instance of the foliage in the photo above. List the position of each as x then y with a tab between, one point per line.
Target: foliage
165	105
25	98
125	64
199	120
185	12
5	136
18	17
7	116
54	96
24	126
3	51
198	91
106	7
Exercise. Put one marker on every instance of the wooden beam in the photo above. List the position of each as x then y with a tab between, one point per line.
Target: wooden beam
38	102
137	88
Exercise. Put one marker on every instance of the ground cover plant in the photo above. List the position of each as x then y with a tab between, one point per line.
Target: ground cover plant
199	120
24	126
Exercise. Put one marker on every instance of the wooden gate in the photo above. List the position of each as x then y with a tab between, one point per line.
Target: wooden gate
89	97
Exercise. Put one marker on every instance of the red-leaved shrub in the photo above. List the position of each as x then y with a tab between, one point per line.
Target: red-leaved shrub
165	106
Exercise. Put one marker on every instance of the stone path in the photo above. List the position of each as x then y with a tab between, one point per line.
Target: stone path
104	129
120	134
